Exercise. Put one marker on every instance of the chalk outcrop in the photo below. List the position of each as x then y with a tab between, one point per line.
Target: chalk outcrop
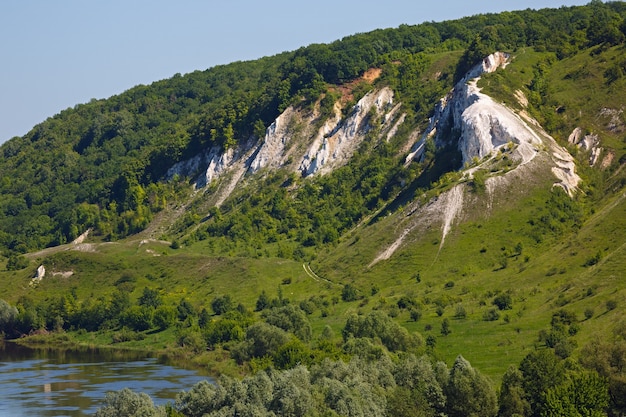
339	139
588	143
481	124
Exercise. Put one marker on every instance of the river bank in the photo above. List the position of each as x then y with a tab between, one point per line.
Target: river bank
211	363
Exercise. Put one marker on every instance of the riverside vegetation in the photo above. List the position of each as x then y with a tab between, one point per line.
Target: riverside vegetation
518	312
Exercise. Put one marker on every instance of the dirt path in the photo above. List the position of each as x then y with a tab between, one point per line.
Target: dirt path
314	276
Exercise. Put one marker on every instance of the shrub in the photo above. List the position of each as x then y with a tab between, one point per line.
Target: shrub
415	314
460	312
222	304
348	293
126	403
503	302
491	315
445	327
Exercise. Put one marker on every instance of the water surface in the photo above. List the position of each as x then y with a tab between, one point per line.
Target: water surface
43	382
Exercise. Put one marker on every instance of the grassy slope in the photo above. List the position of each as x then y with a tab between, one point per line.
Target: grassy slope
545	277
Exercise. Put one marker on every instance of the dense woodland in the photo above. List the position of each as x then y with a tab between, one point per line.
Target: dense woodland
102	165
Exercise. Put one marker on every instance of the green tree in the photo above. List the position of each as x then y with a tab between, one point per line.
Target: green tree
150	298
16	262
8	317
164	317
445	327
512	400
541	371
468	392
503	301
348	293
262	339
138	318
584	394
291	319
185	309
126	403
222	304
262	302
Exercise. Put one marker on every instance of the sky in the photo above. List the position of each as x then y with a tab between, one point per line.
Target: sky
56	54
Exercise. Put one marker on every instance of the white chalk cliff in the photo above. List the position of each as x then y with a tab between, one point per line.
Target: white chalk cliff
339	139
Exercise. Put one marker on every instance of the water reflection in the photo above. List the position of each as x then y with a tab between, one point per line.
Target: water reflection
73	383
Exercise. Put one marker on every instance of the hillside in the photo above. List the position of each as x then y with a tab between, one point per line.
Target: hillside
445	189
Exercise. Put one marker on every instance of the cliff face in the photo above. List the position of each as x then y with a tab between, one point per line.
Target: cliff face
291	142
475	121
465	117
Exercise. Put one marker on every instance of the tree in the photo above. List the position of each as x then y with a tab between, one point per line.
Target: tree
541	371
469	393
138	318
503	302
17	262
222	304
291	319
261	339
348	293
164	317
8	317
126	403
262	302
512	398
150	298
445	327
585	394
185	309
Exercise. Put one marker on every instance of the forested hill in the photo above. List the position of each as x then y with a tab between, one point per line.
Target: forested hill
101	165
349	225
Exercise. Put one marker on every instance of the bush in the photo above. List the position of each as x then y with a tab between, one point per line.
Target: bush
415	315
460	312
445	327
222	304
126	403
348	293
503	302
491	315
17	262
611	305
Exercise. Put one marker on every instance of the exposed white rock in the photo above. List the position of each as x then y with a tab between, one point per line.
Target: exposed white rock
211	163
272	151
80	239
39	275
338	140
589	143
482	124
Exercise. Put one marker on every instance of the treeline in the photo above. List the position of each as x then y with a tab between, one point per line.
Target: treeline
98	165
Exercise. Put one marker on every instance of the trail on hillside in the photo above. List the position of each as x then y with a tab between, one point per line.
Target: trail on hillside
314	276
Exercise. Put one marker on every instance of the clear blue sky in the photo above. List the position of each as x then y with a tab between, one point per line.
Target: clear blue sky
55	54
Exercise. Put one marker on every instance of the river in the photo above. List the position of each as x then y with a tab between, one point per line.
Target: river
73	383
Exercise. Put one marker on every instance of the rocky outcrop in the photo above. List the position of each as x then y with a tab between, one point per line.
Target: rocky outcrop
589	143
318	152
271	153
477	122
339	139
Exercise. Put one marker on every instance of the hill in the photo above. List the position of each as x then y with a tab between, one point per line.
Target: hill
403	192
